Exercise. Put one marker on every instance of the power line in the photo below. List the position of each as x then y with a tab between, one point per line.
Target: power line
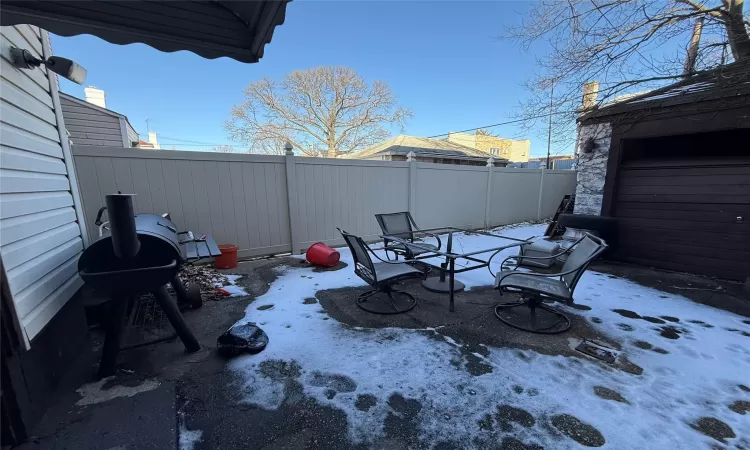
504	123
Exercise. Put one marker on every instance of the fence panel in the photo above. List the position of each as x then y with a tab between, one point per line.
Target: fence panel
450	195
347	194
245	199
557	183
239	199
514	195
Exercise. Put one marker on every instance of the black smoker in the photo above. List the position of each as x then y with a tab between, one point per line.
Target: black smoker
141	255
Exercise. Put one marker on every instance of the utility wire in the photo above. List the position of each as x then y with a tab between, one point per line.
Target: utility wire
503	123
509	122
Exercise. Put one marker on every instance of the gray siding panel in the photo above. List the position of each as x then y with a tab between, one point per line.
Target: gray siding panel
40	238
89	126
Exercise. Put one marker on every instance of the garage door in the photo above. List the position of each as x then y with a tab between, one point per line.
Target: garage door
690	214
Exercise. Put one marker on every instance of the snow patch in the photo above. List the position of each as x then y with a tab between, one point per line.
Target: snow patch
93	393
232	288
697	377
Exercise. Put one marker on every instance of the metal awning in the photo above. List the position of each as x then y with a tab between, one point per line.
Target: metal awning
209	28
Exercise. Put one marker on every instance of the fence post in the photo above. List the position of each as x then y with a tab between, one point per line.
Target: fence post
490	165
291	195
412	184
541	196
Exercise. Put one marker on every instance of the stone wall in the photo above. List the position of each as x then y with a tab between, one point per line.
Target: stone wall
592	168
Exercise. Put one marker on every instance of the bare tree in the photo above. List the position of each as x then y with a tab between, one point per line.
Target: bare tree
270	146
223	149
620	44
325	111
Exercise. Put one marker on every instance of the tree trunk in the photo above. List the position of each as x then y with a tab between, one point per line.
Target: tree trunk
739	41
692	51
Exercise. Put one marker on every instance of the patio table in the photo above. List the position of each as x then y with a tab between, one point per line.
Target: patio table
440	284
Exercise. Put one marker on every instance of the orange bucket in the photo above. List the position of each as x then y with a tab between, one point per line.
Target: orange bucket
228	258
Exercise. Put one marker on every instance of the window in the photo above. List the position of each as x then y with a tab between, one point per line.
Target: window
495	151
506	151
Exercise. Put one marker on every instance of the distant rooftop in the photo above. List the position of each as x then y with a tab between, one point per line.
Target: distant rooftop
425	147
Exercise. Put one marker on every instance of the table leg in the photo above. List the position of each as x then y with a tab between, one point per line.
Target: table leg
439	283
452	283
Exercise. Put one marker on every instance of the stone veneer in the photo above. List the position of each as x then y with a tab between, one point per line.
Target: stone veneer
592	168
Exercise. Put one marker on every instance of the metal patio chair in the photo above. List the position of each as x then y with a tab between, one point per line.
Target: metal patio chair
380	276
402	225
537	288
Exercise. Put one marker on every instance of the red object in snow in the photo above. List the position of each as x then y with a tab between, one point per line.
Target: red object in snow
223	292
322	255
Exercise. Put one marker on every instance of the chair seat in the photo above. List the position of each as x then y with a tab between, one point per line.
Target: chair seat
413	248
543	285
386	271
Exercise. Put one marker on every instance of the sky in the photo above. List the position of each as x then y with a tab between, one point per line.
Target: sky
443	60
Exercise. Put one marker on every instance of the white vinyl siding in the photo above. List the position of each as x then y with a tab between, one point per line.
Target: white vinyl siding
40	237
90	126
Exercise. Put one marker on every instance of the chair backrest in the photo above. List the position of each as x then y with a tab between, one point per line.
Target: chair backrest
397	224
363	266
588	248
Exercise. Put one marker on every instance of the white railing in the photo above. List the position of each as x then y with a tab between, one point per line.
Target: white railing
276	204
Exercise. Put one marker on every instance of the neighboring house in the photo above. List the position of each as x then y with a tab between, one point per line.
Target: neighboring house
426	150
510	149
673	167
42	228
556	163
89	122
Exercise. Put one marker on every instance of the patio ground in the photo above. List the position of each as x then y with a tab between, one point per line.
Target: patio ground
335	377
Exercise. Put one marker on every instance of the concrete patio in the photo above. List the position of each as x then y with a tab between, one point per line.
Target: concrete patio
335	377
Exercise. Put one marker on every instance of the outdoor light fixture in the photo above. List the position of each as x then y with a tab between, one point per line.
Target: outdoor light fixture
23	59
589	145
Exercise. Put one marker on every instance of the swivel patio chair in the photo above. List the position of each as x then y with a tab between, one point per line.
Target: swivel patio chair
402	225
536	289
380	276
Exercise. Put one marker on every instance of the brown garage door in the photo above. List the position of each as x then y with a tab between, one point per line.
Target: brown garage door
690	214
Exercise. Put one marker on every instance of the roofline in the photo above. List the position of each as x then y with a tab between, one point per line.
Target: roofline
97	108
641	101
437	155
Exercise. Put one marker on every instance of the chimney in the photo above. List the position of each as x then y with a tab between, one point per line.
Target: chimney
95	96
152	139
590	91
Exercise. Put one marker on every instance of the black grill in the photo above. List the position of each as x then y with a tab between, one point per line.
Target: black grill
140	255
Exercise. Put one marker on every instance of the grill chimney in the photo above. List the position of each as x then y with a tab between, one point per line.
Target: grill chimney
122	225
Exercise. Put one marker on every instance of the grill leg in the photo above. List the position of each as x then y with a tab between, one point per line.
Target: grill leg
108	363
175	318
179	289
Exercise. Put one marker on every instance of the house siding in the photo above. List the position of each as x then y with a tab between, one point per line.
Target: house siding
40	237
89	126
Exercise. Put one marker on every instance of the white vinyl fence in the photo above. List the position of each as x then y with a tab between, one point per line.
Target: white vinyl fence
277	204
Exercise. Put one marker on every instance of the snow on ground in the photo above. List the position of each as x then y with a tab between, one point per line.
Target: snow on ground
232	288
697	377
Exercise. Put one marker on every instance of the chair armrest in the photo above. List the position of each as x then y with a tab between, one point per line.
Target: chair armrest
439	242
403	261
535	274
